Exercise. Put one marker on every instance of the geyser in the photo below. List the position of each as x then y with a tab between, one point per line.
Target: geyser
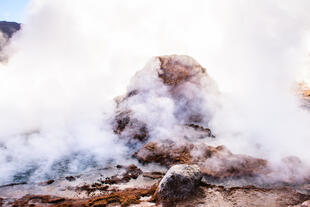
71	58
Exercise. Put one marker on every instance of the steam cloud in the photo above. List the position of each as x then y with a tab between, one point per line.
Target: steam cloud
71	58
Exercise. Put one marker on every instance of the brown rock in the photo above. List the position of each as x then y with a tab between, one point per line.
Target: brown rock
217	162
233	166
185	82
166	154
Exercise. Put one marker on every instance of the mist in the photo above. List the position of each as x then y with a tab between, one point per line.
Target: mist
71	58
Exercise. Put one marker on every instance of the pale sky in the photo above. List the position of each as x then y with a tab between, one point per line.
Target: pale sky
12	10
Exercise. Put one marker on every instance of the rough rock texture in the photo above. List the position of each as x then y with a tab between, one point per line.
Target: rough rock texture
179	183
247	196
217	162
178	79
224	164
166	154
177	69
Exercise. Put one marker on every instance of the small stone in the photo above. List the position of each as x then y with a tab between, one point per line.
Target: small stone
70	178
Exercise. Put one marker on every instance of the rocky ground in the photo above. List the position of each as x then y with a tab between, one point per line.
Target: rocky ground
131	186
185	170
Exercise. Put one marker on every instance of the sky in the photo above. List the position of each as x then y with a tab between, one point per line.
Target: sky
12	10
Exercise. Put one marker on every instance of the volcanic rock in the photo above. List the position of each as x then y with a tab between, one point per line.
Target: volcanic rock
165	154
176	69
179	183
9	28
175	88
217	162
223	164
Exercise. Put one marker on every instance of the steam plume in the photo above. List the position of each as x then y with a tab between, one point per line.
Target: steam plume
71	58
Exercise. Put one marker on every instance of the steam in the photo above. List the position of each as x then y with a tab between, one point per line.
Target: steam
71	58
3	41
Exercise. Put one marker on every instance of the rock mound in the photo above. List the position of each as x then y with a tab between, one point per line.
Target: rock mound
216	162
169	91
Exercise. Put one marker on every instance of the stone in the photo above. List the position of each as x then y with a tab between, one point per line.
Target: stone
179	183
175	85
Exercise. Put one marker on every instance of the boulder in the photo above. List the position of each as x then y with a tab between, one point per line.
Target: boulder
179	183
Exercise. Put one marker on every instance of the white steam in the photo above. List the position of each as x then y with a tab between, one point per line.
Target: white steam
72	57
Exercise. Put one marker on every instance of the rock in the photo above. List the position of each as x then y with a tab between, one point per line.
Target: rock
177	69
70	178
130	128
166	154
216	162
174	87
9	28
179	183
222	165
